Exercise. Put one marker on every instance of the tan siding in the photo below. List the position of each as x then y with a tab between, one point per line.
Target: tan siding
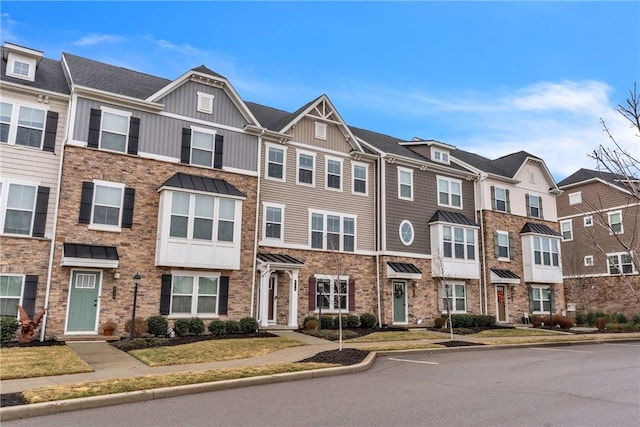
305	130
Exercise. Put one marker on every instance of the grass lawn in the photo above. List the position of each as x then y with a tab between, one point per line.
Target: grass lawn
515	333
398	336
400	346
148	382
212	351
30	362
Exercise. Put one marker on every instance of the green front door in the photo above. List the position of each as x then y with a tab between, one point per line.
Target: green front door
399	302
83	303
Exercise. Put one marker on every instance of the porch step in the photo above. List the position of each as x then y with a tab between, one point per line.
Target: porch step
278	328
89	338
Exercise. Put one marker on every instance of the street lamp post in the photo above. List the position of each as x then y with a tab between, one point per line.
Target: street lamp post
136	279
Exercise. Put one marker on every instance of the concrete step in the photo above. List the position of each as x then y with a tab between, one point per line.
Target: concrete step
86	338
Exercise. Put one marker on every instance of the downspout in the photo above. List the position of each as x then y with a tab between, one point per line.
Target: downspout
70	115
483	176
255	236
381	219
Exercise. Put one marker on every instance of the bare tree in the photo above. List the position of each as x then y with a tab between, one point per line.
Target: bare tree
439	271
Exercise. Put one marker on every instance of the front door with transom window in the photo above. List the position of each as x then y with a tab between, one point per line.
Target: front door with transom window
399	302
83	301
501	300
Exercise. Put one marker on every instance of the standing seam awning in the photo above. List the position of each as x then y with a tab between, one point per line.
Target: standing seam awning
504	276
96	256
280	260
402	270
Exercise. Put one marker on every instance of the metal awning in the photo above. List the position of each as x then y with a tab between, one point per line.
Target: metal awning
96	256
280	261
402	270
504	276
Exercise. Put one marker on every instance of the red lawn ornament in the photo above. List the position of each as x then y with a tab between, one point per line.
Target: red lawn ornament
28	326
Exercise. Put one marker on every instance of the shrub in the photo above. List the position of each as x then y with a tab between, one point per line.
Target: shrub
619	318
636	319
216	327
538	320
196	326
8	328
232	327
327	322
591	319
248	325
622	327
181	327
367	320
439	322
581	319
472	320
601	323
351	321
140	343
158	325
309	323
563	321
332	334
139	329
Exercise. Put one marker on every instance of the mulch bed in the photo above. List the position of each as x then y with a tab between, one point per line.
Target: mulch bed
12	399
345	357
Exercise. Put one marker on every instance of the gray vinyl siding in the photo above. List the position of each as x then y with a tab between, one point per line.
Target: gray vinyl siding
420	210
305	130
183	101
163	136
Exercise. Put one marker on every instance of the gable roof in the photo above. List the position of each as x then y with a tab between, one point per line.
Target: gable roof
532	227
583	176
204	70
49	76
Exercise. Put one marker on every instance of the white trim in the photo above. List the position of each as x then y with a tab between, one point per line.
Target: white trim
319	150
107	227
575	198
413	234
6	183
14	122
204	102
587	221
588	260
194	294
205	131
203	122
570	230
89	262
266	205
508	257
391	274
405	254
21	296
450	192
611	231
313	170
327	159
320	130
98	301
353	178
325	230
269	146
410	172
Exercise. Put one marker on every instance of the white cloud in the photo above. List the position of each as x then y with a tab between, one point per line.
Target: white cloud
95	39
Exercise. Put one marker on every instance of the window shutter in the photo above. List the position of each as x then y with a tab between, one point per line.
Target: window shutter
528	207
493	198
85	203
512	247
224	295
530	299
49	143
134	131
352	295
506	192
540	207
312	293
127	210
29	295
217	152
496	246
94	128
165	294
552	300
185	152
40	217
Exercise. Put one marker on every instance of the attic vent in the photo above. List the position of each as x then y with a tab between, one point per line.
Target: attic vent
321	130
205	103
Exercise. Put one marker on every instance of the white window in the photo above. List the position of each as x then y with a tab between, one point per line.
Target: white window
566	229
534	206
194	294
114	130
10	294
321	131
333	232
588	221
18	203
440	156
406	232
21	125
615	222
502	244
202	217
575	198
405	183
275	163
332	293
107	205
501	199
21	68
202	147
449	192
360	173
588	260
205	103
306	169
540	300
334	174
545	251
273	221
455	297
459	243
620	263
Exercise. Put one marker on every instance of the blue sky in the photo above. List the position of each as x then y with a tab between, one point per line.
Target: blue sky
488	77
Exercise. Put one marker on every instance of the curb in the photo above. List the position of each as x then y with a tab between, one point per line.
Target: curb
60	406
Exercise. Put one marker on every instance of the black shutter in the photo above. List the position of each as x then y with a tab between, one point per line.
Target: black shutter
512	247
94	128
312	293
224	295
352	294
527	205
165	294
506	192
217	152
29	295
540	215
531	307
85	203
493	198
40	217
496	246
134	131
50	132
185	152
127	209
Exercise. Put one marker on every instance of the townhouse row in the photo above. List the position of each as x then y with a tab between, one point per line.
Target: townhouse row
227	208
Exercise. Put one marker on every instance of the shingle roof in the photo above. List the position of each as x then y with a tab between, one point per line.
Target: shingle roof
452	217
583	174
78	250
531	227
271	118
202	183
505	274
110	78
204	70
402	267
49	76
386	143
506	166
279	259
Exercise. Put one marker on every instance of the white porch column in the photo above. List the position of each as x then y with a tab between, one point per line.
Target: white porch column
293	298
263	313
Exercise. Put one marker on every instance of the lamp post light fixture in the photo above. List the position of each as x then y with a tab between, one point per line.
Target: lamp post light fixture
136	280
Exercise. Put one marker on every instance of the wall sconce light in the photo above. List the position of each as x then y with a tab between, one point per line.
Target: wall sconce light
116	274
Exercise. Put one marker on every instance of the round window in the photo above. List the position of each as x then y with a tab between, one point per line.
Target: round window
406	233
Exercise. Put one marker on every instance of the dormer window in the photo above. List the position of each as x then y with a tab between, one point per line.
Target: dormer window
21	68
21	61
440	156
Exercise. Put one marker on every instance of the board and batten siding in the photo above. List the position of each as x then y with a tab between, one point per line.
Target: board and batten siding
163	136
420	210
35	165
305	130
298	199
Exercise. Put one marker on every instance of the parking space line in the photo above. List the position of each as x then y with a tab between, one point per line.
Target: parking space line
624	345
413	361
560	349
